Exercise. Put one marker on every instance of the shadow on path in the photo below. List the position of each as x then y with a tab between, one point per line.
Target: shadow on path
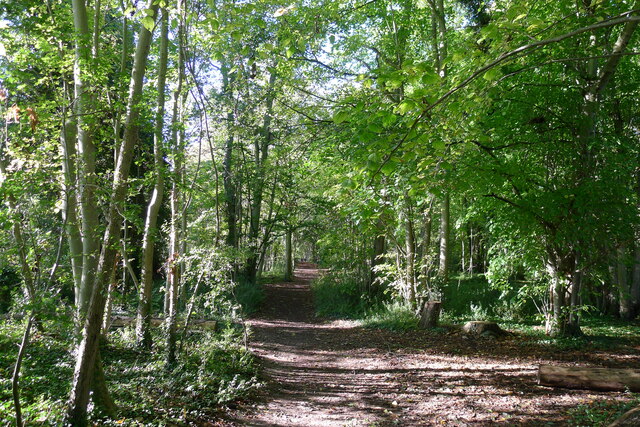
334	373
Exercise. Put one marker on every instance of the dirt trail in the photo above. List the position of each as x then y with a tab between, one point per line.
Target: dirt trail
334	373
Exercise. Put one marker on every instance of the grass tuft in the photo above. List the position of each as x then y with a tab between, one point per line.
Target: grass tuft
392	316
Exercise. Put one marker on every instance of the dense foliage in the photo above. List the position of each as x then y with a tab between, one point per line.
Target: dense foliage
160	159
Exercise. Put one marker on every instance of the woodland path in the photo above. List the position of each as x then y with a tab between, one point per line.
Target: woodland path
333	373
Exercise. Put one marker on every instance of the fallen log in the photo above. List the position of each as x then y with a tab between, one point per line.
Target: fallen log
584	378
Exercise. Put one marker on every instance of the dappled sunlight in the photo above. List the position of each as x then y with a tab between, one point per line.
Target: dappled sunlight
334	373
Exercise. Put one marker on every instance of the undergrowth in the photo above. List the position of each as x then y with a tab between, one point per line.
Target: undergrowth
213	369
600	413
392	316
249	296
337	294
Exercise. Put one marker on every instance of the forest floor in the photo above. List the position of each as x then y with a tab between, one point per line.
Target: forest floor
322	372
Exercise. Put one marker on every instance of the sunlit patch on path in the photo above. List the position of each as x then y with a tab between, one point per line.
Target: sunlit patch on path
334	373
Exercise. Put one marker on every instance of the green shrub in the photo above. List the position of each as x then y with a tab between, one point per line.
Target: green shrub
600	413
336	294
473	297
393	316
9	281
249	296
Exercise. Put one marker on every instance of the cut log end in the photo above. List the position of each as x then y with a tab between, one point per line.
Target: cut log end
483	329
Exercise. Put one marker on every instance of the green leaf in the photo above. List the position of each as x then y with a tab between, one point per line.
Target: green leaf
375	128
406	106
492	74
389	167
289	52
149	23
341	116
439	145
430	77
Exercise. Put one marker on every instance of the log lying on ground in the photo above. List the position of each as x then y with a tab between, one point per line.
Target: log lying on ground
603	379
122	321
483	329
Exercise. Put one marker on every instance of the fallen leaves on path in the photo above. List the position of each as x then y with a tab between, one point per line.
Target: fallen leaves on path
334	373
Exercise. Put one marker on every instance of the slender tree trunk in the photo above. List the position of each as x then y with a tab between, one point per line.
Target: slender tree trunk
15	385
624	292
261	152
143	335
227	164
635	280
87	349
68	137
379	246
426	248
445	233
288	256
410	254
471	249
106	321
175	247
86	157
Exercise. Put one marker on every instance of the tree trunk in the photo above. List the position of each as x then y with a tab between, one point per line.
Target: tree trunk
624	294
106	320
562	316
69	196
430	314
175	247
261	151
227	165
379	246
84	104
635	280
288	257
15	385
445	233
143	335
410	254
87	349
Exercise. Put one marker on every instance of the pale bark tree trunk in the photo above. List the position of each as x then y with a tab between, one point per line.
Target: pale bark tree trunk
227	164
426	246
69	194
15	385
87	351
445	232
143	335
175	246
106	320
379	246
86	157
